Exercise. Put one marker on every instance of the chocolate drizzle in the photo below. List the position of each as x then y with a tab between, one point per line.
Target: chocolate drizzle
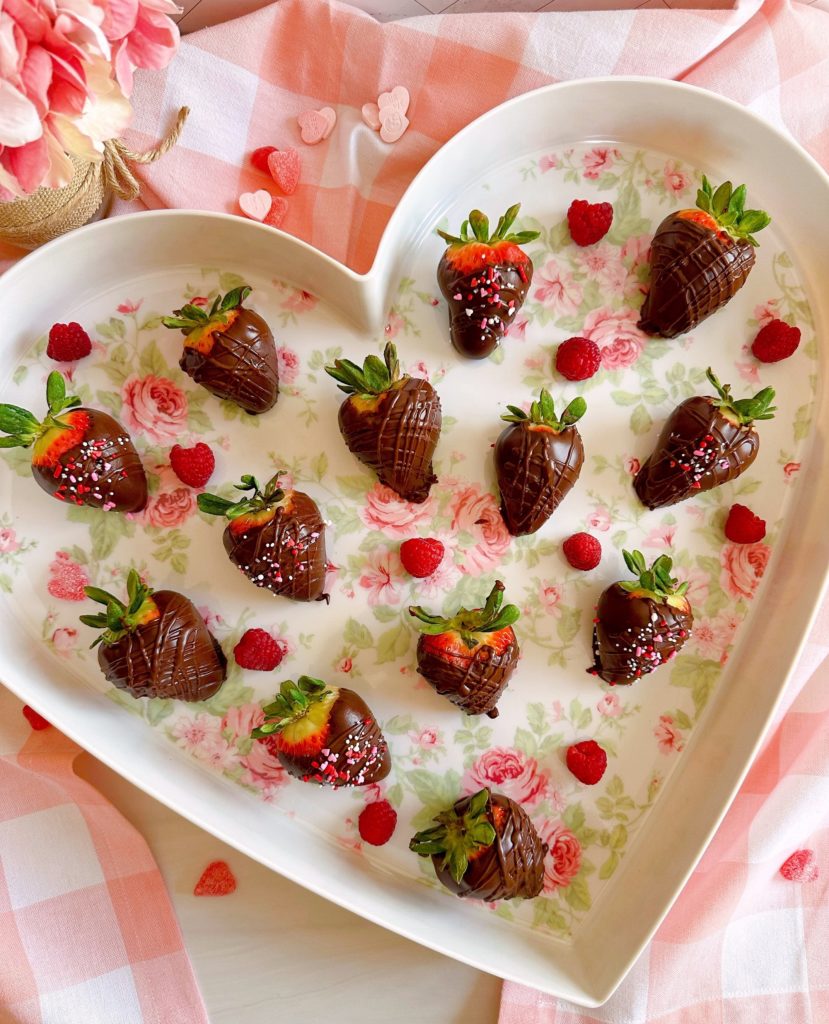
103	471
395	434
473	682
482	304
694	271
635	634
699	448
536	468
513	866
286	553
241	365
173	655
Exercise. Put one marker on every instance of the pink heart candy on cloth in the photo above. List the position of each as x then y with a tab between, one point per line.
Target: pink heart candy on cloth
276	214
316	125
285	166
255	205
371	115
398	99
392	124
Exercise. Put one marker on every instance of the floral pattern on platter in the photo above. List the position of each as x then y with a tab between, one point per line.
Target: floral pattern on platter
365	639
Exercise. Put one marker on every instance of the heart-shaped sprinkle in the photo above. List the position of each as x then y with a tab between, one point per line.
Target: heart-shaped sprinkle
276	214
255	205
316	125
371	115
285	167
216	880
392	124
397	99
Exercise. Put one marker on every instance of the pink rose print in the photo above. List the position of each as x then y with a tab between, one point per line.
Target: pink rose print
345	666
615	332
549	597
445	577
67	578
287	362
713	637
213	620
609	706
478	515
768	310
790	471
563	860
64	641
698	586
387	511
743	566
601	263
263	770
510	772
153	406
427	739
599	519
300	301
518	328
394	325
193	732
128	307
668	737
676	181
557	290
660	537
547	163
419	369
635	252
631	465
381	576
598	160
171	508
8	541
242	720
748	371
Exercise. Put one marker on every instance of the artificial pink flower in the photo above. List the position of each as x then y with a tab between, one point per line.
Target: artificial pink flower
508	771
382	576
153	406
67	578
668	736
557	289
385	510
563	860
615	332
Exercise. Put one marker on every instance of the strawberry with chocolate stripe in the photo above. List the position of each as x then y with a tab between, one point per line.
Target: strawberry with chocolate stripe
324	734
640	624
80	456
484	279
276	537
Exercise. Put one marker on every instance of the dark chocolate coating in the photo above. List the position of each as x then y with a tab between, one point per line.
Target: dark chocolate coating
635	635
536	468
175	655
287	554
698	449
357	749
512	866
241	366
106	453
693	273
396	437
473	682
493	295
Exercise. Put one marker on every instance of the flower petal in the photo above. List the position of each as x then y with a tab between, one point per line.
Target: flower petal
19	121
28	163
120	18
36	76
153	42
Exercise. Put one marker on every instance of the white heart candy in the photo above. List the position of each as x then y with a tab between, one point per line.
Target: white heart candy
371	115
255	205
392	124
397	98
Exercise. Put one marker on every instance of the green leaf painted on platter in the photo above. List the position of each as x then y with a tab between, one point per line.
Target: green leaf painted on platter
624	397
640	420
577	894
319	466
157	709
568	624
393	644
627	217
399	724
609	865
151	361
357	635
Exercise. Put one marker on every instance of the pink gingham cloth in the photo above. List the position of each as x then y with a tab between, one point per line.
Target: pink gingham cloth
742	944
87	931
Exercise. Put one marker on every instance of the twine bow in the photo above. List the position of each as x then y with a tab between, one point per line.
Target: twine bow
116	172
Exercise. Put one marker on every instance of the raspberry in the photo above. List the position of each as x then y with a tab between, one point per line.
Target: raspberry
421	556
257	650
589	222
259	158
800	867
193	466
377	822
775	341
216	880
587	761
68	342
743	526
582	551
578	358
36	721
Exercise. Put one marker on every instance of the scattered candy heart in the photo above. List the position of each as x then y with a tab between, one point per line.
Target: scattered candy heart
800	867
371	115
316	125
276	214
259	158
216	880
255	205
397	99
285	167
392	124
35	720
331	117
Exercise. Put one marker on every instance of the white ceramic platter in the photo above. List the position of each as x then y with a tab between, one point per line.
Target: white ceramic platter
679	742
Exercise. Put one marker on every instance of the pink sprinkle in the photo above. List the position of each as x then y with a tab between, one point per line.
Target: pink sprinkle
457	297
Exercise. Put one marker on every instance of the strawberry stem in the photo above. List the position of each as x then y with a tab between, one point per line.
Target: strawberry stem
543	413
256	501
726	205
190	317
291	704
458	836
657	581
374	378
120	618
742	410
23	428
480	230
489	619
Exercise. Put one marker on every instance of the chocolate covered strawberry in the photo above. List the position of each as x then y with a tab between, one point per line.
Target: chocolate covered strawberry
80	456
276	537
640	624
229	350
538	458
471	656
485	848
390	421
700	259
324	734
156	644
706	441
484	279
